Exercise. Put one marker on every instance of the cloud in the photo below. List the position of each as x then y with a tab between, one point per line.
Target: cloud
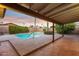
21	19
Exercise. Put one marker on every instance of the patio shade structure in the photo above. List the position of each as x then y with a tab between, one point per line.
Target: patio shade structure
60	13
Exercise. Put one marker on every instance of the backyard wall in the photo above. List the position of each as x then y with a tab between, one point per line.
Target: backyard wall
4	29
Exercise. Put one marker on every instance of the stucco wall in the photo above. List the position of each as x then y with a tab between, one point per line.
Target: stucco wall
4	29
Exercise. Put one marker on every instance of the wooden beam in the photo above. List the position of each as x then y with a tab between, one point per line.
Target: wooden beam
64	9
43	7
27	5
56	9
49	7
39	6
53	9
4	13
17	7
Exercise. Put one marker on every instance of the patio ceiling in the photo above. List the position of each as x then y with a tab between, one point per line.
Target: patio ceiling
54	12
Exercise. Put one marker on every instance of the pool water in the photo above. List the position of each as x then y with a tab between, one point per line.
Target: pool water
25	36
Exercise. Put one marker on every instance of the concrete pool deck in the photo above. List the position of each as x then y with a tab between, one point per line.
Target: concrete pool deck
24	47
6	49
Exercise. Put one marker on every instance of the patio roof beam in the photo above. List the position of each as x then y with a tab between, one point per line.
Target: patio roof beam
17	7
4	12
70	6
43	7
49	11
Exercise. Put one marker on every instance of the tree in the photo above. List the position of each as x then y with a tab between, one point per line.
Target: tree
68	28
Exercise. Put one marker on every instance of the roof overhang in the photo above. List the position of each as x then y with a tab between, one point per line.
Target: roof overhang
60	13
19	8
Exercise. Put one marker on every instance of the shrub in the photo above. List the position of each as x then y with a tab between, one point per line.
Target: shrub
68	28
13	29
44	30
48	32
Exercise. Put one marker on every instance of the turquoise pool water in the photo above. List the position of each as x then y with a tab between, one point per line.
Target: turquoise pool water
25	36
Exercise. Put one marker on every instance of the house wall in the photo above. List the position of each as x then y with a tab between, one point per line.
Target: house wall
4	29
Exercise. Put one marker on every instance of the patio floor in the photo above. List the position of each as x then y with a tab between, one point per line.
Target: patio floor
7	50
67	46
24	47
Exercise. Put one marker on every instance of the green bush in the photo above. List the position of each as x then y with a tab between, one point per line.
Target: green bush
44	30
48	32
68	28
13	29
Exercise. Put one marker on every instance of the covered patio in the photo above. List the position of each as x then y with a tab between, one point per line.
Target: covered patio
59	13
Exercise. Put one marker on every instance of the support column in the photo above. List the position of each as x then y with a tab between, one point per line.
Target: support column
62	30
47	26
35	24
53	32
35	28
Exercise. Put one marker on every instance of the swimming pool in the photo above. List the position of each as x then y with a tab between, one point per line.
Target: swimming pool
25	36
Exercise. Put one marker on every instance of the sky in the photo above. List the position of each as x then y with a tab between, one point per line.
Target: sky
16	14
21	19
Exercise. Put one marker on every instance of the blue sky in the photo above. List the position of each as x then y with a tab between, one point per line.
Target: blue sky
16	14
21	19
